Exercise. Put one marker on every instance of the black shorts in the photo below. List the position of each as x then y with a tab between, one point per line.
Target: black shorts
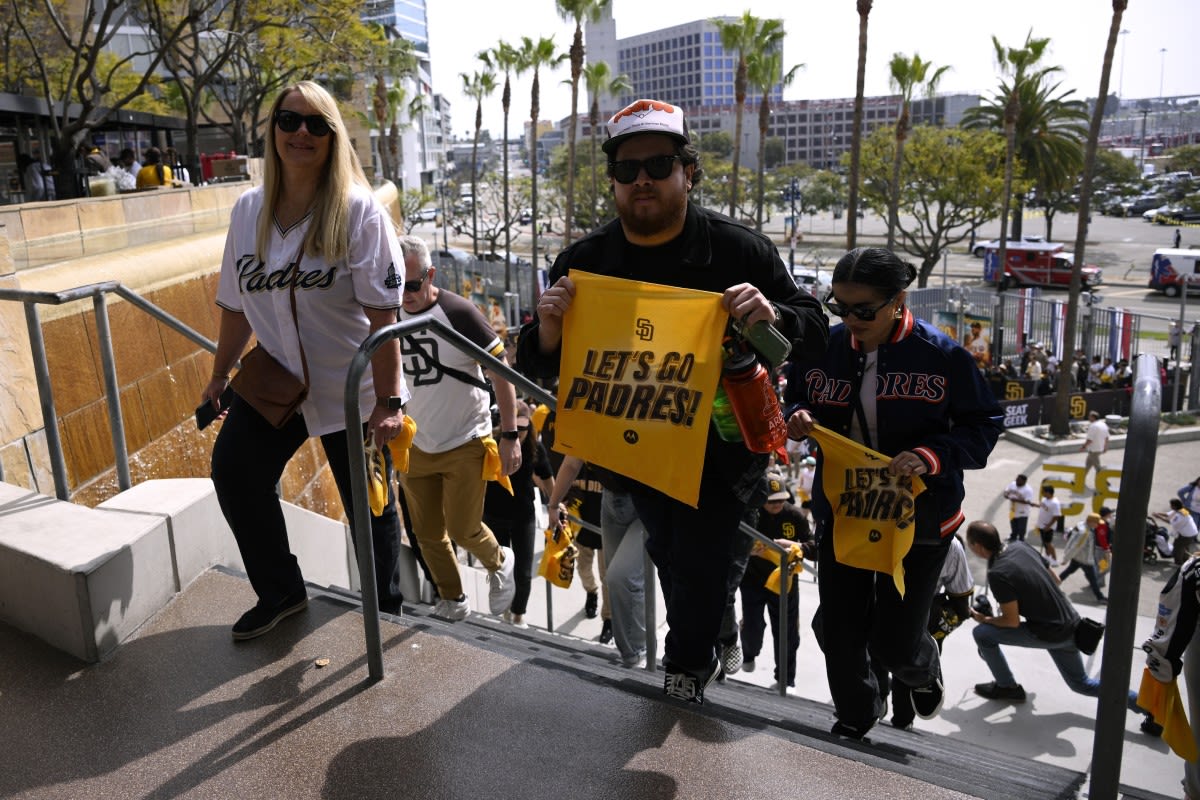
1047	535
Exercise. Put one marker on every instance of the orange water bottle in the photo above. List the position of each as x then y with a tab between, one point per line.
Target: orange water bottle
755	405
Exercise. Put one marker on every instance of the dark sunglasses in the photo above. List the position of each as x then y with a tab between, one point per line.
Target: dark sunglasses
415	284
657	167
289	122
522	427
864	313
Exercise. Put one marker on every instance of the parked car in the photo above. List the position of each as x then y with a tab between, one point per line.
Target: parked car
1174	215
1135	207
816	282
1152	214
427	215
994	244
1037	264
526	216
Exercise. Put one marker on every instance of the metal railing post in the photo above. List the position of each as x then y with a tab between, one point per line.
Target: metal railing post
650	581
784	588
41	372
112	391
1141	444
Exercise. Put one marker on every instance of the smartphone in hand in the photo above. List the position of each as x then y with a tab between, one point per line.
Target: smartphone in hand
205	413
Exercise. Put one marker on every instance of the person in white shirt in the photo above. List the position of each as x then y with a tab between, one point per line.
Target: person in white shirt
1049	513
1021	499
1181	527
1095	444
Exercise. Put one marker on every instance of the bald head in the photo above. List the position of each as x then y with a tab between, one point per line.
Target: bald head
984	535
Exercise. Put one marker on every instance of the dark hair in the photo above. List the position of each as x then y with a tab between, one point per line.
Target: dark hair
154	156
1023	477
877	267
1176	503
1047	488
690	154
126	153
985	535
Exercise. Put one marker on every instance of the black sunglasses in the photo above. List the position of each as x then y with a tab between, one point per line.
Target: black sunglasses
657	167
289	122
862	312
415	284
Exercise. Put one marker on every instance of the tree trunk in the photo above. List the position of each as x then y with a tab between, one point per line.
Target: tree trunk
764	116
864	12
897	159
474	179
506	99
739	96
576	70
593	122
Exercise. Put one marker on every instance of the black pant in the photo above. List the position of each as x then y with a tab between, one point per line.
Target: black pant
1017	527
247	462
742	545
692	549
862	615
754	597
519	535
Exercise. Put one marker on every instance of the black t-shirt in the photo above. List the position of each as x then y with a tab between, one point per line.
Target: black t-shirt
1018	572
790	524
518	506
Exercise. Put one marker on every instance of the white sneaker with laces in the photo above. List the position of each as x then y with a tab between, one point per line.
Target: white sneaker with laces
685	686
518	621
501	586
453	610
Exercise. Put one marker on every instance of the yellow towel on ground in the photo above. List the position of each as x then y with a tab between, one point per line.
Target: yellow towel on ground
1163	702
493	470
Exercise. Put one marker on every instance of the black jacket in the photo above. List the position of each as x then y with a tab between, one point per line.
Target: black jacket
712	254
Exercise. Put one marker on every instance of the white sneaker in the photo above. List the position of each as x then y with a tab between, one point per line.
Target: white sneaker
453	610
518	621
501	586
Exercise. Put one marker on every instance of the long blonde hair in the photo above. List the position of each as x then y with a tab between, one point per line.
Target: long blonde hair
329	234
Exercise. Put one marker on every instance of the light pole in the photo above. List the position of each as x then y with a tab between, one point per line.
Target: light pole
1121	80
1162	63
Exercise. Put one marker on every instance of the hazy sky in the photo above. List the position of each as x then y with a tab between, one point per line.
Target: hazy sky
824	36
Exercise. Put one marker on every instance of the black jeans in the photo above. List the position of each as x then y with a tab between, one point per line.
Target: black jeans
755	597
692	549
247	462
742	545
519	535
862	614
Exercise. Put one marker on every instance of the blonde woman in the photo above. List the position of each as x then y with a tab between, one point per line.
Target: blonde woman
315	229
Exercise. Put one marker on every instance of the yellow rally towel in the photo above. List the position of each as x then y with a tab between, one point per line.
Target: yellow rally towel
377	478
492	468
640	364
539	417
795	557
558	557
400	446
873	512
1164	704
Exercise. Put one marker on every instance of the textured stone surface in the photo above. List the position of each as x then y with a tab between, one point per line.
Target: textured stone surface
73	365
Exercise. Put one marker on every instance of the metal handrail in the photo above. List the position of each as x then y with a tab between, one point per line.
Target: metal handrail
785	582
97	292
1141	446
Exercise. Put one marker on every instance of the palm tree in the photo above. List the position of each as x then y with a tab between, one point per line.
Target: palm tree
576	11
762	70
906	75
478	86
534	56
1060	420
746	35
1018	62
864	11
392	60
599	80
504	58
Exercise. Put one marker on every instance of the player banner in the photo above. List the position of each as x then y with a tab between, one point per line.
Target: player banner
640	363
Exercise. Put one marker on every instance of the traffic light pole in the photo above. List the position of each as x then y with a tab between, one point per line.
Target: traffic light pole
793	192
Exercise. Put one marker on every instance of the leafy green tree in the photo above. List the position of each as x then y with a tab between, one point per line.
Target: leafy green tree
950	185
762	70
600	82
864	12
577	11
534	56
774	152
70	56
1184	159
718	144
906	75
1019	63
748	34
478	85
1060	422
1113	169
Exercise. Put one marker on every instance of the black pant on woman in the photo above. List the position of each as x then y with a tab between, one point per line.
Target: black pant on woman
247	462
861	609
519	535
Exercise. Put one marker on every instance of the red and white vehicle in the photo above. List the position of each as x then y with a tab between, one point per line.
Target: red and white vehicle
1036	264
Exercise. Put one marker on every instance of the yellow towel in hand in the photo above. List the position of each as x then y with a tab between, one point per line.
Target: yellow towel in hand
493	470
377	478
1164	704
795	556
400	446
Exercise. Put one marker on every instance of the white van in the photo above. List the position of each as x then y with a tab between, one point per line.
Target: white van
1171	267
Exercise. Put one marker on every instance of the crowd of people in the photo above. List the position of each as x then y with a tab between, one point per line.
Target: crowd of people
883	411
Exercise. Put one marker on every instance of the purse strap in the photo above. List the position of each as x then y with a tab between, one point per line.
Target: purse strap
295	318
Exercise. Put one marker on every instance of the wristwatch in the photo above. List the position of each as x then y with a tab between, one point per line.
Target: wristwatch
392	403
513	435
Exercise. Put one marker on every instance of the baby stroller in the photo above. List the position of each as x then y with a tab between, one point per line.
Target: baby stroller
1155	542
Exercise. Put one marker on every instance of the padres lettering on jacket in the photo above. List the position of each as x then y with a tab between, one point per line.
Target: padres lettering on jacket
922	386
253	277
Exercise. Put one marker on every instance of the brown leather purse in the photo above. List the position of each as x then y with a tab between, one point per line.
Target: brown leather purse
267	385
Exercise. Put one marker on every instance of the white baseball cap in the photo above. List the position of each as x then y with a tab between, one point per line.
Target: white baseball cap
645	116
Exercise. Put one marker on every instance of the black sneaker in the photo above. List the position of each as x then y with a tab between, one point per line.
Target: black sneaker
591	604
1151	728
606	634
261	619
991	691
902	707
687	686
927	699
850	731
